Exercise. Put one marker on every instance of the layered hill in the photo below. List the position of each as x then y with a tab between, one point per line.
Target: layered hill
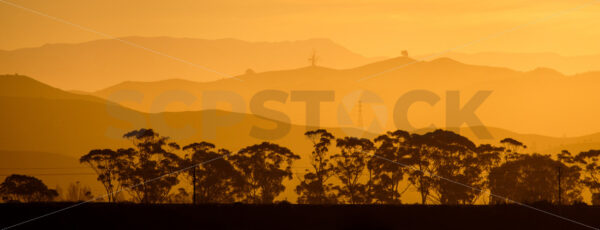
530	61
97	64
53	128
542	101
71	124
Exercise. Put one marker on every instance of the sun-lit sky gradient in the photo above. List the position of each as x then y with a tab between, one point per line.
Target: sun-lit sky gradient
372	28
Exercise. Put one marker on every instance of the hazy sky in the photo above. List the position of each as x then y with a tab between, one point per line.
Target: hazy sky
369	27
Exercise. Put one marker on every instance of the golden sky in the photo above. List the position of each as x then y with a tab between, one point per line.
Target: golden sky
371	28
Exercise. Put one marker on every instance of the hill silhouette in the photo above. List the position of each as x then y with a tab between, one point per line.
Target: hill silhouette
524	102
25	87
101	63
530	61
70	125
64	126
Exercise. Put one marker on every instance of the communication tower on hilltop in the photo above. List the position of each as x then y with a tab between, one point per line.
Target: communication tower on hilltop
313	59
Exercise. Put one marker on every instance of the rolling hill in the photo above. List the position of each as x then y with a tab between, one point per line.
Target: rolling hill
69	125
525	102
46	130
97	64
530	61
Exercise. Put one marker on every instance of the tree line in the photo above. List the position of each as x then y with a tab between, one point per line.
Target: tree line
441	166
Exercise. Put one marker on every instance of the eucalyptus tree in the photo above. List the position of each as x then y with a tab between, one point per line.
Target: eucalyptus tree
107	163
214	178
389	166
512	148
448	168
25	188
589	162
533	178
314	189
149	168
263	168
349	165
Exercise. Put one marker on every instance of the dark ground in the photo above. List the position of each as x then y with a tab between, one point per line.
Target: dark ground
286	216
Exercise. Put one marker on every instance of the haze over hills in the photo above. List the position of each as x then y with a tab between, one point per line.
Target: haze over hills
525	102
99	123
55	128
530	61
56	170
70	125
100	63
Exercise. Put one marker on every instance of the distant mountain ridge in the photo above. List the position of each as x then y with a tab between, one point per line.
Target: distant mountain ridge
530	61
100	63
56	121
54	128
523	101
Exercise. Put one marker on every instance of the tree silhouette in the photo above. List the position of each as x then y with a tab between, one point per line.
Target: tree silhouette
512	148
489	157
447	167
25	188
107	163
456	160
590	163
313	189
215	182
388	174
534	178
151	160
263	167
349	166
420	159
443	166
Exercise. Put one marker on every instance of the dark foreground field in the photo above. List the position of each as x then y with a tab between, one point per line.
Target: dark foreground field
285	216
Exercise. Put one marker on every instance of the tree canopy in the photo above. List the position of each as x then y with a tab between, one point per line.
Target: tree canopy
443	167
25	188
